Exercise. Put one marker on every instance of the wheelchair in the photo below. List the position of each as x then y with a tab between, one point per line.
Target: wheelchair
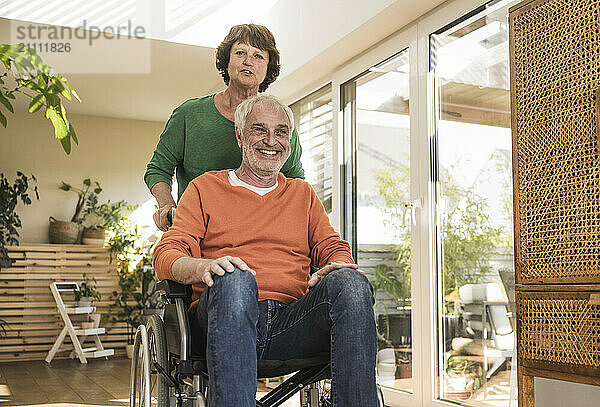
165	371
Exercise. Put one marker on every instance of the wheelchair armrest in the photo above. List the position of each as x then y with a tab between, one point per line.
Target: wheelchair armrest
172	289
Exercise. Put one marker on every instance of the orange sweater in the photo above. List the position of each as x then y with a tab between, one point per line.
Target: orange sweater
278	235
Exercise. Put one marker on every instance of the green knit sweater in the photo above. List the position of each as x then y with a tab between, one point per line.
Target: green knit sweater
198	138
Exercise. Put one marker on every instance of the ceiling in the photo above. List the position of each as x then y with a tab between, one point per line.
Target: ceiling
146	78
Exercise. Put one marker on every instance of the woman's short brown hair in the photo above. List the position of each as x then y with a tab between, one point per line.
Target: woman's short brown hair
259	37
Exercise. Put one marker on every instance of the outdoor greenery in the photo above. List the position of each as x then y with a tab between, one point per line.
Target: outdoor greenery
468	237
9	219
395	283
88	289
27	75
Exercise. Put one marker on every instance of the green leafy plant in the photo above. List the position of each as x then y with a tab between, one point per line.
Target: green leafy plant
83	194
395	281
88	289
458	366
3	328
124	308
137	282
108	215
9	219
27	75
138	292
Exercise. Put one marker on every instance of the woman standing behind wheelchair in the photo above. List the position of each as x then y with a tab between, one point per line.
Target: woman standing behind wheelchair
200	136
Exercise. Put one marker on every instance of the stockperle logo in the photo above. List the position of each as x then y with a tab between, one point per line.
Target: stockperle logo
87	48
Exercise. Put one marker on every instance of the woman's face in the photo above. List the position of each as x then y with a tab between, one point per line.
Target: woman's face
247	65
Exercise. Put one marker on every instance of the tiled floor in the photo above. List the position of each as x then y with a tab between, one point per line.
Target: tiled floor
67	382
106	383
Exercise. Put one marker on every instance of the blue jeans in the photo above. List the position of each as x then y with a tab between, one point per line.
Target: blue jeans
334	316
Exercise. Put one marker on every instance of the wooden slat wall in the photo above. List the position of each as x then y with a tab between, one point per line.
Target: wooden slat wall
26	302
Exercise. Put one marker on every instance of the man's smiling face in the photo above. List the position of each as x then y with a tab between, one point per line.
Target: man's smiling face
265	140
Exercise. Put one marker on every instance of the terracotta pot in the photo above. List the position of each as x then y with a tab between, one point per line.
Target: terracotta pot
63	232
95	319
404	370
87	325
93	236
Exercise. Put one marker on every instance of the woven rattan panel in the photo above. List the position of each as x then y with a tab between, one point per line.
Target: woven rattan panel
556	65
560	331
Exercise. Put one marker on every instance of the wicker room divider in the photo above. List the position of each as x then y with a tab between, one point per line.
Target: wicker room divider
555	102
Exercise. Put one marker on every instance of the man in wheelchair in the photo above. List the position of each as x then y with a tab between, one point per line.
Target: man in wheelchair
246	239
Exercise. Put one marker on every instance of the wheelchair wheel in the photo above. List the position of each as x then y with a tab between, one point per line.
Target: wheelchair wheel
139	375
157	344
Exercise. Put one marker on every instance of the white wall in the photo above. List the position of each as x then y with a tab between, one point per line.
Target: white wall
112	151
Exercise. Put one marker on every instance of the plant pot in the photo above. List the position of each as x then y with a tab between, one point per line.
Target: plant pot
93	236
129	351
87	325
386	364
62	232
95	319
404	370
84	302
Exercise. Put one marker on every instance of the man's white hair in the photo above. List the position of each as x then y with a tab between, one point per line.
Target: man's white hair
244	109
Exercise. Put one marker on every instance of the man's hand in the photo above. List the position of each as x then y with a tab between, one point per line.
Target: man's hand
220	266
322	272
161	217
193	270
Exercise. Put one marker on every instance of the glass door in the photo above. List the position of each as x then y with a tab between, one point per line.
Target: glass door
378	213
469	59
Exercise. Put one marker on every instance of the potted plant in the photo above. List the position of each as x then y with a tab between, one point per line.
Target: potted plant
98	218
138	296
395	282
462	377
71	232
9	219
123	308
148	298
87	292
